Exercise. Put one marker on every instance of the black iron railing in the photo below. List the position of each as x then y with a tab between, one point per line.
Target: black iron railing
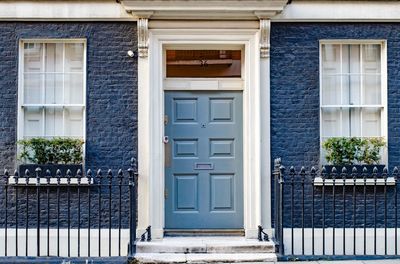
83	215
336	211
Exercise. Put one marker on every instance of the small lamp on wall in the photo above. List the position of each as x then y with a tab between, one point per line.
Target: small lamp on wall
131	53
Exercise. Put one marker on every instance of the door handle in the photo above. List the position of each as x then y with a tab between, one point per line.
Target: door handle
166	139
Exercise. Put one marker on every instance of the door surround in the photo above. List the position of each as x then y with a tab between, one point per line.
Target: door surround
151	122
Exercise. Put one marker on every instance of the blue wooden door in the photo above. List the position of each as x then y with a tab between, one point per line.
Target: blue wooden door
203	164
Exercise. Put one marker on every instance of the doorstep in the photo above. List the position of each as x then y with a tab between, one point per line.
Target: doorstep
217	249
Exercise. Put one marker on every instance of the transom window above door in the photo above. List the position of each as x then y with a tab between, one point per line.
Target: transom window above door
52	88
353	93
203	63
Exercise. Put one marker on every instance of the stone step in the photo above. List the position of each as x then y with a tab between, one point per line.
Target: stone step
205	245
205	258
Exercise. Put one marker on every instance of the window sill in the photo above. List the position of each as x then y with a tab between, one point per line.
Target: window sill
53	181
360	182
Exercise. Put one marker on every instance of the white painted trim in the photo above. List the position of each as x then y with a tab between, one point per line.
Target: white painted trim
53	181
204	84
265	146
90	10
318	181
20	112
351	236
63	239
339	11
151	117
204	9
384	88
232	24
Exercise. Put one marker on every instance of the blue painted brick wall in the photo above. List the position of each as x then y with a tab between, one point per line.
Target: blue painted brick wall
111	110
111	88
295	88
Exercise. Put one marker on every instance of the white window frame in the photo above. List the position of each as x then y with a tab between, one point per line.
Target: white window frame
20	122
384	90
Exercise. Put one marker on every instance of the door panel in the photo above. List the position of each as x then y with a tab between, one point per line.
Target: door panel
204	176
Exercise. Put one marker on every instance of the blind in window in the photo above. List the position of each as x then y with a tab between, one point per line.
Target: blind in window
53	89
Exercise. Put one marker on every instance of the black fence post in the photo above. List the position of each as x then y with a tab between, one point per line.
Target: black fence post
281	202
277	164
132	207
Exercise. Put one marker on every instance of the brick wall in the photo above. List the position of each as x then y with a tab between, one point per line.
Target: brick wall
295	128
111	110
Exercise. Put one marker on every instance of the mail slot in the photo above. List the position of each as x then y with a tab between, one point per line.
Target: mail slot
204	166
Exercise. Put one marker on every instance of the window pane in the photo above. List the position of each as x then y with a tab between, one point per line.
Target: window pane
331	90
54	122
74	57
372	89
33	88
351	122
331	59
204	63
33	121
74	121
371	122
330	122
54	57
371	58
351	89
54	88
351	59
33	57
73	88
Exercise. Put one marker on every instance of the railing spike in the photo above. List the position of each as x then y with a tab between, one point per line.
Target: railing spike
354	170
334	170
323	172
375	169
395	174
385	172
69	173
291	170
27	173
365	170
344	170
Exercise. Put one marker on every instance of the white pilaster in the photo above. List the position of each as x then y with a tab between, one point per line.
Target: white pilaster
144	156
265	27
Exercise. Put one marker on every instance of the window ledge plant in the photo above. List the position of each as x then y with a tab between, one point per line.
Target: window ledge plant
354	152
50	154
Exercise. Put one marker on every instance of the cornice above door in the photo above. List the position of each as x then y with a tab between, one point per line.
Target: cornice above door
204	9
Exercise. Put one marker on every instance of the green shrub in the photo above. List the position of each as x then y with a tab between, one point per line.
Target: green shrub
51	151
353	150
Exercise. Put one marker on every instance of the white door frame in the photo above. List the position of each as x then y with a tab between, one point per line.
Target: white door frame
151	123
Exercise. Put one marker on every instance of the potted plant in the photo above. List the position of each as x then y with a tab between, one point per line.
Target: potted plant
353	152
51	154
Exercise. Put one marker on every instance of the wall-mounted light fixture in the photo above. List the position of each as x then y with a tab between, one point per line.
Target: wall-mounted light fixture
131	53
